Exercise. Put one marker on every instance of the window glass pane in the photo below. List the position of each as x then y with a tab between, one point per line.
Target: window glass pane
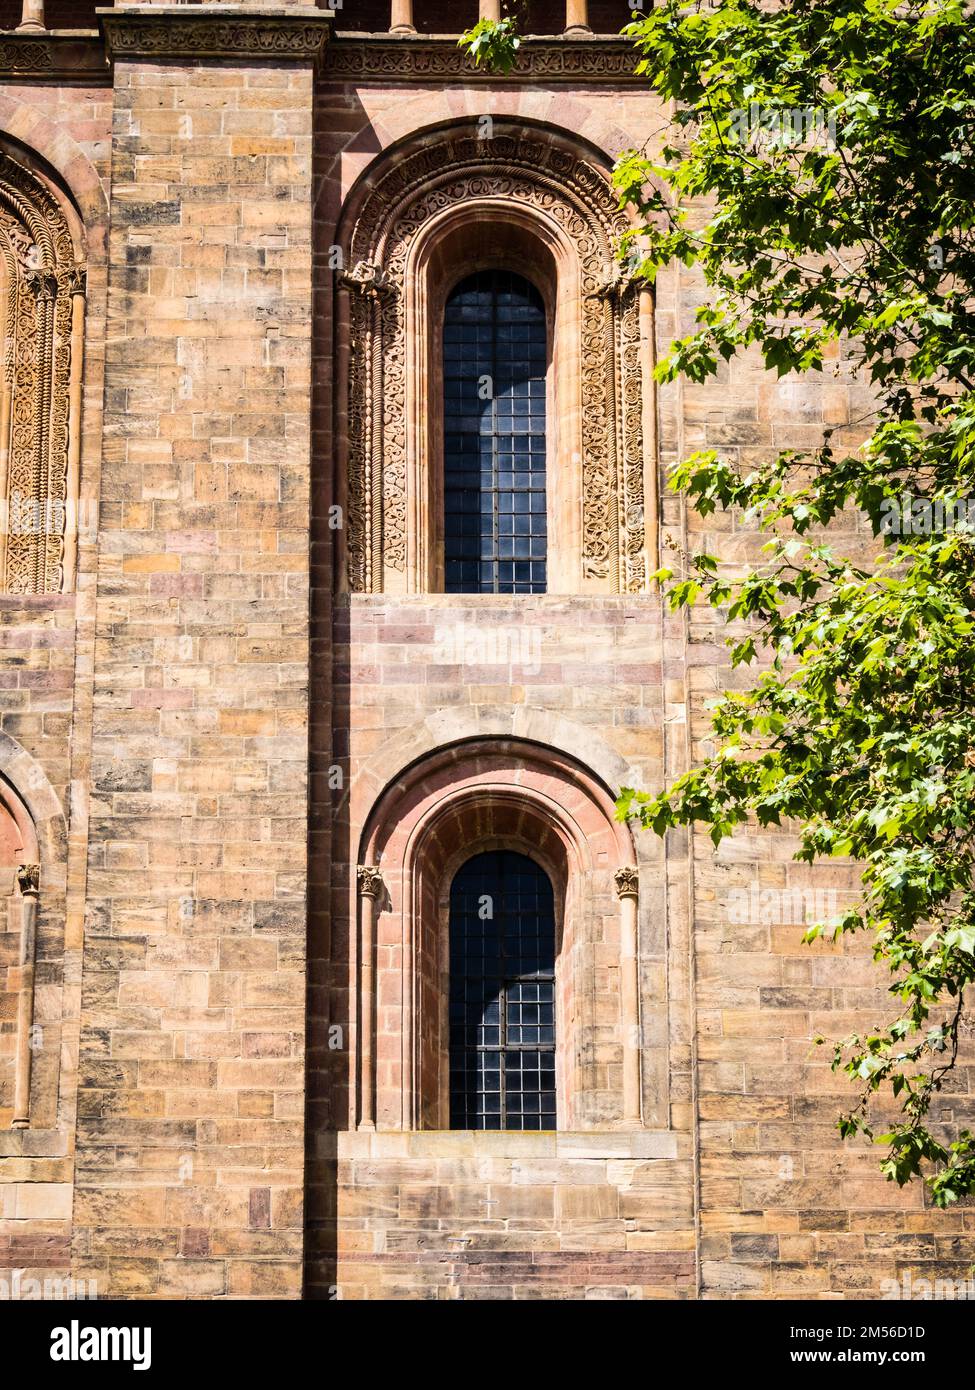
502	994
494	436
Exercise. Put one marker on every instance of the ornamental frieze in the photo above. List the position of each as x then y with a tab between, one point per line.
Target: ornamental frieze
440	60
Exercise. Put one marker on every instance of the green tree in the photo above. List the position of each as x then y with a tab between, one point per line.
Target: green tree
829	143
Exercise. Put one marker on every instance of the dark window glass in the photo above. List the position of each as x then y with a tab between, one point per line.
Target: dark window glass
502	995
494	348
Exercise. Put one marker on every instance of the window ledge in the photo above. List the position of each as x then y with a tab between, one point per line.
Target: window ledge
462	1143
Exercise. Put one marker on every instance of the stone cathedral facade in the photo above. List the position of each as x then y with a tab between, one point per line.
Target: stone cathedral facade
333	473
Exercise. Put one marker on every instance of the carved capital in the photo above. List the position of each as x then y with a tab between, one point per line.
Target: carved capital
366	279
627	882
42	282
370	880
29	878
75	279
615	283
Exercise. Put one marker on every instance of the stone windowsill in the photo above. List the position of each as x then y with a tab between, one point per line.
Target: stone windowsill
462	1143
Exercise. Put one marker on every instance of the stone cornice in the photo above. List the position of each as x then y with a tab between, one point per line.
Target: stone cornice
282	34
409	58
225	31
64	53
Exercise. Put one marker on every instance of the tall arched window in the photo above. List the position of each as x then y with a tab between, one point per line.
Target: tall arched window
42	288
495	354
502	994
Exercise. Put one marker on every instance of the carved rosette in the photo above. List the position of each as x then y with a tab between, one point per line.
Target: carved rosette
553	182
38	279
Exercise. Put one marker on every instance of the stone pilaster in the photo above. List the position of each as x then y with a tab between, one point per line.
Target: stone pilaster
192	1078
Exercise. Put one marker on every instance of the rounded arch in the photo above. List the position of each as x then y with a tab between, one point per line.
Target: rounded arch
452	728
51	151
31	799
438	811
430	135
408	215
32	882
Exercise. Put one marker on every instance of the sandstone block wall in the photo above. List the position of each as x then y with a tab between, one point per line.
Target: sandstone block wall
189	1179
174	701
502	1216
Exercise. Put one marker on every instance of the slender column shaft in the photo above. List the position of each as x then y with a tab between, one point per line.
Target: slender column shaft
370	889
401	17
32	16
576	14
28	878
627	888
490	9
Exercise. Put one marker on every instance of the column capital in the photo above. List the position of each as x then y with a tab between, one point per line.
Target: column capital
29	878
370	880
627	882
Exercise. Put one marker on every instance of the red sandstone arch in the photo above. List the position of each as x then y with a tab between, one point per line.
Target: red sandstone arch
447	806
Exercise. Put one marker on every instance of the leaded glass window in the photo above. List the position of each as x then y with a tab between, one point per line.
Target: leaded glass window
502	994
495	352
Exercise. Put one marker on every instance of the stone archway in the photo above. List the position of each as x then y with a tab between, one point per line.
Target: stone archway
408	217
458	800
42	293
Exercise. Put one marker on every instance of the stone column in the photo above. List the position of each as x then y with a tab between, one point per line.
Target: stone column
32	16
401	17
627	888
28	880
370	883
490	9
577	17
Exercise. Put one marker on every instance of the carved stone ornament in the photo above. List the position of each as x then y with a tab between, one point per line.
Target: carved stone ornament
410	59
40	278
627	882
172	32
29	878
549	180
56	54
370	880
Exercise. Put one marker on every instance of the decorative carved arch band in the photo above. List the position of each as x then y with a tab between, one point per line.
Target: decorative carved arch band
42	289
541	178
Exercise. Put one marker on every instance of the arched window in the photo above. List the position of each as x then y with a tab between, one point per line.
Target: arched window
502	994
495	355
42	288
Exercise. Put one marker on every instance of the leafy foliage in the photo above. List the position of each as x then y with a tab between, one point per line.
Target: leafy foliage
492	44
852	243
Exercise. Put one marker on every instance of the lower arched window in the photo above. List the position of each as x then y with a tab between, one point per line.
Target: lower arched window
502	994
495	356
